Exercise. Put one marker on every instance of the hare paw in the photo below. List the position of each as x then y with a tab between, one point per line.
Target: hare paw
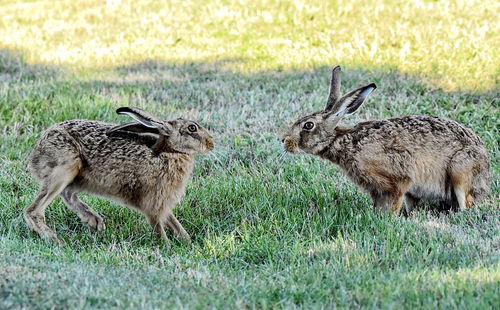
94	221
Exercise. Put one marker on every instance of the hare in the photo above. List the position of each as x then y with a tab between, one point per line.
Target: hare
144	165
399	159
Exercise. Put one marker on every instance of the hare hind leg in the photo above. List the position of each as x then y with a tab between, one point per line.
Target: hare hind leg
461	188
410	203
52	185
463	171
84	212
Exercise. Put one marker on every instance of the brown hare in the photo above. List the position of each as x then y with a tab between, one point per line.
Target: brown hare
144	165
398	159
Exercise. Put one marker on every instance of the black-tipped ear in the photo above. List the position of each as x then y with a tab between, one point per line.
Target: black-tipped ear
132	127
140	133
334	95
141	116
351	102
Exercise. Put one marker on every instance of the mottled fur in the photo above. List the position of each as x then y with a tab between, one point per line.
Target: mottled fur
144	165
399	159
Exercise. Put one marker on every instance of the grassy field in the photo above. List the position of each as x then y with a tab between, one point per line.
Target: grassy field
269	232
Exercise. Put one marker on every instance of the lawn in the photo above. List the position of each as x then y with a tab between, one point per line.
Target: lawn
268	231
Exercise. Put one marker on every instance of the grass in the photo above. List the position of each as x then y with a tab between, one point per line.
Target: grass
268	233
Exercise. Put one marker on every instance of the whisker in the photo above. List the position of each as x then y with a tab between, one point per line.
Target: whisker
275	157
284	156
215	156
280	157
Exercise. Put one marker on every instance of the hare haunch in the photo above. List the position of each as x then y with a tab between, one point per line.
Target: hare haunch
144	165
398	159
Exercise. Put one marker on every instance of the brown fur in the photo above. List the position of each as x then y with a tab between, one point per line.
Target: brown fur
399	159
145	168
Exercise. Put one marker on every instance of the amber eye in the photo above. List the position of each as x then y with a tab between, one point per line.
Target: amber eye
308	125
192	128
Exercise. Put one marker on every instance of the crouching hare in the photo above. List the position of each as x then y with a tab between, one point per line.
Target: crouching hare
144	165
398	159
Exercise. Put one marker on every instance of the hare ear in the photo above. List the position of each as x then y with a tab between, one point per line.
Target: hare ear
351	102
141	116
132	127
145	118
334	95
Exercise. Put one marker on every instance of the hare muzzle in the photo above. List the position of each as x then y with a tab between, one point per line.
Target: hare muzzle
209	144
291	145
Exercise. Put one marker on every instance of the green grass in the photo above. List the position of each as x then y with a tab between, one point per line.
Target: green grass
268	232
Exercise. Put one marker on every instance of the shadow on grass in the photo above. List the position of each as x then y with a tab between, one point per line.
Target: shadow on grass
13	68
260	206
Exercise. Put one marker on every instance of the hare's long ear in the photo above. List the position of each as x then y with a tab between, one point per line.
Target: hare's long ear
334	95
132	127
145	118
351	102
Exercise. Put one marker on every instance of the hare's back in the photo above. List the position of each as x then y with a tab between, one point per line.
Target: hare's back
422	144
97	145
439	128
113	166
68	137
417	134
88	141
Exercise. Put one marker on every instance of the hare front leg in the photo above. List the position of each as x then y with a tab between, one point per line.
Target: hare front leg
172	223
158	217
379	199
396	202
157	224
390	199
179	231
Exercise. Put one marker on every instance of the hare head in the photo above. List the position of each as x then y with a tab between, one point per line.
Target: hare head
178	135
313	133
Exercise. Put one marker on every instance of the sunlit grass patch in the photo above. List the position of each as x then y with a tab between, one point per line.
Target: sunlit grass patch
449	44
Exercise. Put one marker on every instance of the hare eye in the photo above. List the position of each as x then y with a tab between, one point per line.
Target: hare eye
192	128
308	125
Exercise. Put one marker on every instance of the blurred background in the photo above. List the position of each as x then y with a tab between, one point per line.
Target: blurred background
448	44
